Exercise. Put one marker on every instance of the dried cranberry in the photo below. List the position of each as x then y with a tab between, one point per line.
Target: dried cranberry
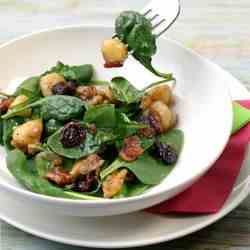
72	134
155	123
166	152
148	131
85	183
64	88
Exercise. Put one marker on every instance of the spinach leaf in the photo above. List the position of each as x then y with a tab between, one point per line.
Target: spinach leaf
141	40
146	61
103	116
124	126
124	91
131	110
42	164
106	116
174	138
30	88
89	146
135	30
126	21
8	127
21	169
51	126
147	169
147	143
132	189
137	189
59	107
80	73
105	136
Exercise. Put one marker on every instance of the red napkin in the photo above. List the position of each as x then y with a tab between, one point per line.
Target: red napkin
210	192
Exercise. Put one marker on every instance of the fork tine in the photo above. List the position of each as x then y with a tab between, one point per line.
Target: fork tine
159	23
147	12
152	18
160	17
161	32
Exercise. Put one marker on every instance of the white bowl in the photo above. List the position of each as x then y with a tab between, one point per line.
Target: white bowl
204	109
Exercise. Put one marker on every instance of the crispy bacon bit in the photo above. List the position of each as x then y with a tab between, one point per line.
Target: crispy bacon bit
85	166
114	182
131	149
5	104
59	176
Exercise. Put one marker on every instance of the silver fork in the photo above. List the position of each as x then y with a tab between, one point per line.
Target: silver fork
162	14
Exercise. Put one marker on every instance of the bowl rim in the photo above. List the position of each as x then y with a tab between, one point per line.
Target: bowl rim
103	201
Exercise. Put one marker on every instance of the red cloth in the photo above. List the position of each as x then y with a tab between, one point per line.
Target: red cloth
210	192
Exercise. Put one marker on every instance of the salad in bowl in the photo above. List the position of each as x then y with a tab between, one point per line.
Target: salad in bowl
70	135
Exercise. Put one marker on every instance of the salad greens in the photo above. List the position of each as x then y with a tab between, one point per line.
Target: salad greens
72	136
79	73
124	91
135	30
59	107
29	88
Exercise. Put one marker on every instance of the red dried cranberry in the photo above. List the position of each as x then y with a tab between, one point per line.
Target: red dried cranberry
148	131
64	88
155	123
166	152
72	134
85	183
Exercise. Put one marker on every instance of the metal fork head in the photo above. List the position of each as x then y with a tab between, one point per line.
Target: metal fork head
162	15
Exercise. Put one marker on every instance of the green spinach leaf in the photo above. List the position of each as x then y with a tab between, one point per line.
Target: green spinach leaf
30	88
103	116
174	138
21	169
80	73
42	163
147	169
105	136
8	126
132	189
146	61
89	146
137	189
135	30
59	107
124	126
52	125
124	91
126	21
